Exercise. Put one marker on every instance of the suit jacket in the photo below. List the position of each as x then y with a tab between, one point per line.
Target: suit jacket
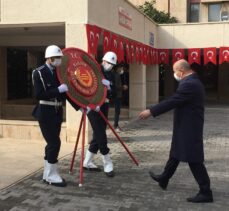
46	88
188	102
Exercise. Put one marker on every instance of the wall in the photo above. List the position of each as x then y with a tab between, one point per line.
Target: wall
109	19
193	35
141	29
31	11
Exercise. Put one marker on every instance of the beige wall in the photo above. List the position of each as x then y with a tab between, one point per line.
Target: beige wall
137	89
31	11
193	35
108	19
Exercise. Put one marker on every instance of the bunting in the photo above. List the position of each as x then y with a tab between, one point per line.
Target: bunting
194	55
210	55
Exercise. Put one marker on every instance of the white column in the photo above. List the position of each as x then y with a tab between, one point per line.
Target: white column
75	37
137	74
152	84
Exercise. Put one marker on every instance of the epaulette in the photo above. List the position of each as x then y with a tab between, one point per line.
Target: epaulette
40	68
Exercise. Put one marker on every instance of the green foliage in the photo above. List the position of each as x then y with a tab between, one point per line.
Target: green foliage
157	16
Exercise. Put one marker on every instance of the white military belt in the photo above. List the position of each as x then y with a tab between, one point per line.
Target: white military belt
44	102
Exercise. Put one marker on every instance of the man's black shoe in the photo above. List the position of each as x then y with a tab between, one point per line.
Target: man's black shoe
201	198
110	174
92	169
163	183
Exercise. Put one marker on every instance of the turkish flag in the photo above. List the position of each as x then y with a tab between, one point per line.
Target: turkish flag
148	55
163	56
154	56
194	55
132	51
106	41
210	55
144	55
141	54
93	34
137	53
121	50
177	54
223	54
114	43
127	44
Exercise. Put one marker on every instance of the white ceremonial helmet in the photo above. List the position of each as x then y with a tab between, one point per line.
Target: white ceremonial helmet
110	57
52	51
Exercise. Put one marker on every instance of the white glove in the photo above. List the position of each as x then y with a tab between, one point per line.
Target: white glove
97	109
106	83
63	88
88	110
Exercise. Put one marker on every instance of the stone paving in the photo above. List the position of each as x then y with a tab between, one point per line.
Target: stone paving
132	189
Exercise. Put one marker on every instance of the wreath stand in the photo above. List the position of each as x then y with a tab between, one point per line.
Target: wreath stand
83	125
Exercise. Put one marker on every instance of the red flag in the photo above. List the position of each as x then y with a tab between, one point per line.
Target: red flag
141	53
137	53
148	55
144	55
163	56
91	39
223	54
121	50
151	55
132	51
154	56
106	41
210	55
127	44
177	54
114	43
194	55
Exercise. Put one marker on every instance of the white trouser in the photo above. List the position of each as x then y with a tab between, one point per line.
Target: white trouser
88	160
107	163
52	174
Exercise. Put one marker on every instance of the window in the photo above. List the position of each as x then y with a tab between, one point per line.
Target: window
194	12
214	12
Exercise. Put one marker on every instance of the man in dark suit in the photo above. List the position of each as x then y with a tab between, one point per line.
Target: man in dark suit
187	140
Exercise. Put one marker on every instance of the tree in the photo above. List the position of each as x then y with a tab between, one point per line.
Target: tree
157	16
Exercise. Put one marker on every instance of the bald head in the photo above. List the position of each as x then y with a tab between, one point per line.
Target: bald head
182	69
182	65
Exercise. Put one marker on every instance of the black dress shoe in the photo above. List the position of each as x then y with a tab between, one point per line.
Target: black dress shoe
110	174
163	183
92	169
201	198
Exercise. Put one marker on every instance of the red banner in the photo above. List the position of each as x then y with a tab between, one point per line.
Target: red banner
127	44
194	55
114	43
121	50
144	55
148	55
137	53
93	34
132	51
210	55
223	54
106	41
163	56
177	54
